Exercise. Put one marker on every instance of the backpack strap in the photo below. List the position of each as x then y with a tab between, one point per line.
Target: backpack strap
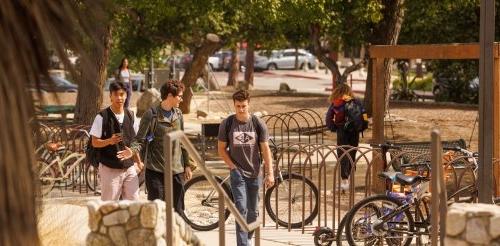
229	121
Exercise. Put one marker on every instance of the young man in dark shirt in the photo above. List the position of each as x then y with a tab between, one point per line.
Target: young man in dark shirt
239	147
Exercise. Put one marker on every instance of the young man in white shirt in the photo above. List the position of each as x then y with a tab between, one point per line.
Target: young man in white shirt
113	129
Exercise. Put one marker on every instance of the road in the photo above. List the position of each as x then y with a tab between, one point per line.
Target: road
302	81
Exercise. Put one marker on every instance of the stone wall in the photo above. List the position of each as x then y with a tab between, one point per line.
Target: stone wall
473	224
134	223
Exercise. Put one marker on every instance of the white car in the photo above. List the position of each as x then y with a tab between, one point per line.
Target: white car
284	59
215	63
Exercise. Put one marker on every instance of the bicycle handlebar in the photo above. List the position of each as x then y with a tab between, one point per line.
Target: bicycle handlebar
386	146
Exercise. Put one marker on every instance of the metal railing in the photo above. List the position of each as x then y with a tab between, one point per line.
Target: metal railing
168	146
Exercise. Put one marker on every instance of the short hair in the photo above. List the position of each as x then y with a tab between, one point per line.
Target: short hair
173	87
116	86
241	96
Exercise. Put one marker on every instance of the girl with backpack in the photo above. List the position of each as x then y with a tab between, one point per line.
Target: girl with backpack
336	119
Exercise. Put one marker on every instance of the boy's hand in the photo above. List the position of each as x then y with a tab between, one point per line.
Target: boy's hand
269	180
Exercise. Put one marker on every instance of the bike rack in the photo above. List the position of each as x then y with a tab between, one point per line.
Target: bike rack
168	145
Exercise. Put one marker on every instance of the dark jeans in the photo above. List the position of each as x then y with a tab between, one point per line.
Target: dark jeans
156	188
246	198
351	138
129	95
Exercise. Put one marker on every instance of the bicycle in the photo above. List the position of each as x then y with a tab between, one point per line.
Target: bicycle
59	169
201	200
389	217
326	236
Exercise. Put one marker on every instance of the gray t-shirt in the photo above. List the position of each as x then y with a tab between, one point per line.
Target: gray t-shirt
244	144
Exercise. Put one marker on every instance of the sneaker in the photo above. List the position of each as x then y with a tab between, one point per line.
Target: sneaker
344	184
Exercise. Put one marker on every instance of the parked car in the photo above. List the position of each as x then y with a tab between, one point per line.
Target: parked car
213	61
59	85
284	59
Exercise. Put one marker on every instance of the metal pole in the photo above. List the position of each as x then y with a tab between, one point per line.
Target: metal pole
436	152
486	39
167	179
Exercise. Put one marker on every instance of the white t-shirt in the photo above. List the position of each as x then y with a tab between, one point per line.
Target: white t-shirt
96	129
125	74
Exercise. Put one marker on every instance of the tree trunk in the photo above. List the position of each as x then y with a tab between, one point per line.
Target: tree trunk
321	53
234	68
92	79
386	32
249	62
208	78
18	173
200	57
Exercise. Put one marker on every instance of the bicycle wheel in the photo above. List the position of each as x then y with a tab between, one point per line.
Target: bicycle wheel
277	198
201	204
92	178
365	215
46	176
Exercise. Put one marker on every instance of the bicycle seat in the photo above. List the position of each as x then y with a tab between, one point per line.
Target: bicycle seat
408	180
54	147
388	175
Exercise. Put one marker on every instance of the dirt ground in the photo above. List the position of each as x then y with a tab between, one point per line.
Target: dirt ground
405	121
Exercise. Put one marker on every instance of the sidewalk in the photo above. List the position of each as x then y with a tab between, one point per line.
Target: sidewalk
270	236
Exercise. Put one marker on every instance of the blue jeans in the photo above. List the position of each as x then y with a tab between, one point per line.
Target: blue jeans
246	198
129	94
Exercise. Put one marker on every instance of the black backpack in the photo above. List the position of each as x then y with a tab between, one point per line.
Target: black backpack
356	117
93	154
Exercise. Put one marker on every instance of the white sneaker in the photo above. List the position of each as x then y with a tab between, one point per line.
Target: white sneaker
344	184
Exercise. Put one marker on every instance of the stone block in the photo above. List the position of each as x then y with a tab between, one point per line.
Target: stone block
477	231
109	207
148	215
455	222
148	98
124	204
135	208
94	216
133	223
140	237
455	242
495	226
115	218
96	239
118	235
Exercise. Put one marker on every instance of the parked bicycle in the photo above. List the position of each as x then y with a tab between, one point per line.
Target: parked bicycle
468	193
201	199
59	169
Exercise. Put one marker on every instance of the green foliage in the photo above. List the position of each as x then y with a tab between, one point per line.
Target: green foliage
424	84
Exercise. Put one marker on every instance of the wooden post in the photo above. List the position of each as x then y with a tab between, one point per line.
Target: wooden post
486	97
378	99
496	118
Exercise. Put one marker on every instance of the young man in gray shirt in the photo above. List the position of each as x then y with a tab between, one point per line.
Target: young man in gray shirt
240	137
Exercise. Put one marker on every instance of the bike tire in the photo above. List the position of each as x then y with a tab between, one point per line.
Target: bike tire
311	211
46	175
197	210
368	202
92	178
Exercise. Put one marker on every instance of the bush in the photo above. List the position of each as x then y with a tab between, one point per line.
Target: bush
424	84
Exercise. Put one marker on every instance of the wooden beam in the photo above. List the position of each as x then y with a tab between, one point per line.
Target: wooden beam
426	51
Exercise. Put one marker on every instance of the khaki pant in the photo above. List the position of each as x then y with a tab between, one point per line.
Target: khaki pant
118	184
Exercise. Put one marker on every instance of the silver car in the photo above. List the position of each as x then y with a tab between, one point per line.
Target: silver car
284	59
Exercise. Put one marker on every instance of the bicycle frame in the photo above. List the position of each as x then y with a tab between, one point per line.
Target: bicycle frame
60	174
